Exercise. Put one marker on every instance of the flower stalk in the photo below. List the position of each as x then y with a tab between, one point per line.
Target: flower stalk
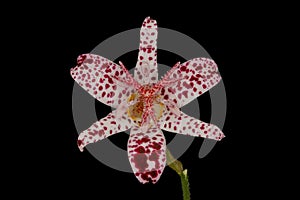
176	165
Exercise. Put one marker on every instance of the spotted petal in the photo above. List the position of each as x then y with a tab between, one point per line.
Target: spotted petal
187	81
103	128
101	78
146	66
147	154
187	125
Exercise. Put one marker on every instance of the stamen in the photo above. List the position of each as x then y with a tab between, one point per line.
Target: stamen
132	81
166	80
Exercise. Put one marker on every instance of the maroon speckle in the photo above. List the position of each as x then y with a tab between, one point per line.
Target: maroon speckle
202	127
87	85
186	85
179	95
185	93
143	140
79	142
183	68
112	94
103	94
193	78
140	161
162	91
106	86
100	87
110	80
101	133
153	174
108	70
140	149
155	145
145	177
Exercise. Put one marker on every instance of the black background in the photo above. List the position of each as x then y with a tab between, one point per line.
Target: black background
233	169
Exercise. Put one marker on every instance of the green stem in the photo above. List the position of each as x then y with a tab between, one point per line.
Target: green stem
176	165
185	185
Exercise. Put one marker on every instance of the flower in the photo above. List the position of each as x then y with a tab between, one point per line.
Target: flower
144	103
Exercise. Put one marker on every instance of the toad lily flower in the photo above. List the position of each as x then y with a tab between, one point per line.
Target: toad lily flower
144	103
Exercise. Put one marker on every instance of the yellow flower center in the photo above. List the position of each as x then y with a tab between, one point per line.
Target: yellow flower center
144	102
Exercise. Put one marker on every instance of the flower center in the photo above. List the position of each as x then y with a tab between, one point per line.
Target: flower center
148	103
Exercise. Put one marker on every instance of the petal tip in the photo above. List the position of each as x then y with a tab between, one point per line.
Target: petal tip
150	20
148	177
81	58
80	145
220	137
